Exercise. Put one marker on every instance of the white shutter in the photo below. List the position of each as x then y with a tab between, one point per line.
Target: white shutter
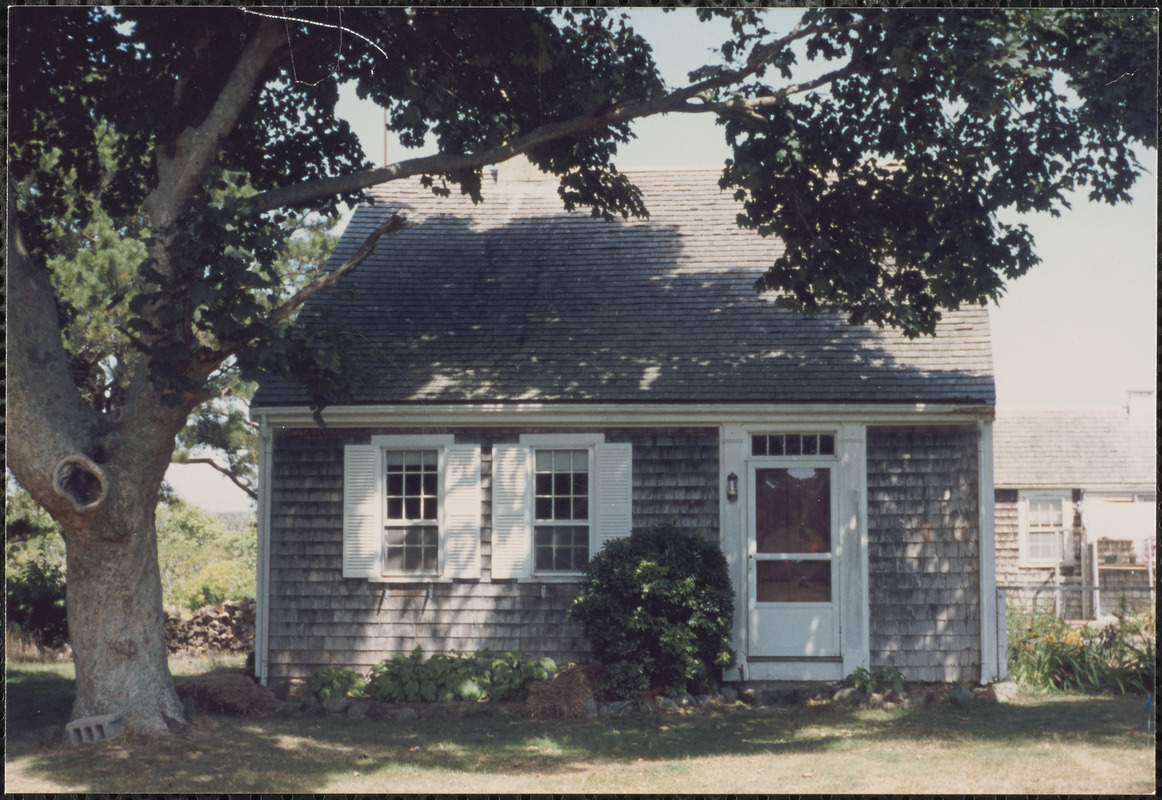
512	539
362	517
614	493
461	545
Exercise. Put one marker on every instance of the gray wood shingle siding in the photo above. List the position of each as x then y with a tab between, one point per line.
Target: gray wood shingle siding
923	554
318	618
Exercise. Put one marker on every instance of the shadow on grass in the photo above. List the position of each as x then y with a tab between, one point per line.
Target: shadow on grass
306	753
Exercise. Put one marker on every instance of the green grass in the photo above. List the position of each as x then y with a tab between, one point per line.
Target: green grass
1055	743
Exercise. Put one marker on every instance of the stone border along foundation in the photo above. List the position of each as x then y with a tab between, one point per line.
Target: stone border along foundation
737	696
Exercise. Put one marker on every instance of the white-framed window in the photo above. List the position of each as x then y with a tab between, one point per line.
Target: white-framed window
411	509
1046	528
556	499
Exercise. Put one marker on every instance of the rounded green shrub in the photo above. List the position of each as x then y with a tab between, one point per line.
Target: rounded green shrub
658	609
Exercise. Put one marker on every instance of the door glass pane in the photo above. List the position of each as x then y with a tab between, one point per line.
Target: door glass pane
793	582
793	510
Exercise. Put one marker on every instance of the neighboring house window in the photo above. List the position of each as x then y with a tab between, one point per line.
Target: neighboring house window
556	499
1046	528
411	509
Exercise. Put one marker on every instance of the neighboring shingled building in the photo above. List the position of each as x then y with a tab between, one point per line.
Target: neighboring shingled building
534	382
1076	494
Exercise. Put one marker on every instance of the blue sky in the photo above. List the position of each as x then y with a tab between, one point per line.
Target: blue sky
1078	330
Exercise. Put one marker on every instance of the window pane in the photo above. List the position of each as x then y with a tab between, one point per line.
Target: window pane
562	483
794	444
395	484
580	460
562	508
395	508
412	549
810	444
580	483
544	508
544	483
544	460
793	510
758	445
562	460
580	508
793	582
826	444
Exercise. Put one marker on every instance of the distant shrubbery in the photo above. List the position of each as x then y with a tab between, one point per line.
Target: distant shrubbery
1046	651
658	608
202	562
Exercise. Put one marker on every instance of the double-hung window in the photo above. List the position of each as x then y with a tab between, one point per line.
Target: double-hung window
411	509
1046	523
561	531
556	499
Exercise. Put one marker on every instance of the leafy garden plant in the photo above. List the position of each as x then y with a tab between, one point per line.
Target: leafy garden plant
875	682
452	676
658	608
1045	651
328	682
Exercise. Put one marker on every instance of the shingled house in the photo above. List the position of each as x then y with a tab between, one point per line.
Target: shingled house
535	382
1076	493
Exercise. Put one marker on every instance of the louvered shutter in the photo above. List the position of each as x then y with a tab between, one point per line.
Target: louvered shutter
362	516
614	493
512	539
461	511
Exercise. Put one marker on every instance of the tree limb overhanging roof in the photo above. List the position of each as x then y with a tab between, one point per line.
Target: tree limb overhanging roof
515	300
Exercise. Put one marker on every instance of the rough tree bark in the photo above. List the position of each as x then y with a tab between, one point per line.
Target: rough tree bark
99	476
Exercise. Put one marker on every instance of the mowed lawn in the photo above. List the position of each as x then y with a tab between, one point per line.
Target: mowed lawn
1046	744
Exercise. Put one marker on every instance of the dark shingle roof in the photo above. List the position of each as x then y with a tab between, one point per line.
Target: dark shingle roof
514	299
1071	448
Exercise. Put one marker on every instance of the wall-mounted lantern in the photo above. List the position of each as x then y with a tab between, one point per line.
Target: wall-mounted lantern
732	487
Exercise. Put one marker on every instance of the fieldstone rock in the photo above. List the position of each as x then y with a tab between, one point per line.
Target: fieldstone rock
618	706
336	705
378	711
591	708
889	705
984	695
1005	691
406	713
646	706
892	696
687	701
875	700
701	699
358	710
311	705
729	693
848	696
666	704
960	697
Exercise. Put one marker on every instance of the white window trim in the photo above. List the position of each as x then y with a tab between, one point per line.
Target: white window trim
468	562
524	571
1067	513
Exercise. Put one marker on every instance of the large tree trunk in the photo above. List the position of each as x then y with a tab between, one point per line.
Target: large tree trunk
116	623
98	475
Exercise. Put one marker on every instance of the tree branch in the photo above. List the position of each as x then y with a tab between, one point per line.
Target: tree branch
443	163
394	224
233	478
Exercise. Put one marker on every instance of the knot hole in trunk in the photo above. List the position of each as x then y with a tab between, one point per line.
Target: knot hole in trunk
81	482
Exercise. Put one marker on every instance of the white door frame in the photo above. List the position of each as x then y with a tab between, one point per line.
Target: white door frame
850	491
